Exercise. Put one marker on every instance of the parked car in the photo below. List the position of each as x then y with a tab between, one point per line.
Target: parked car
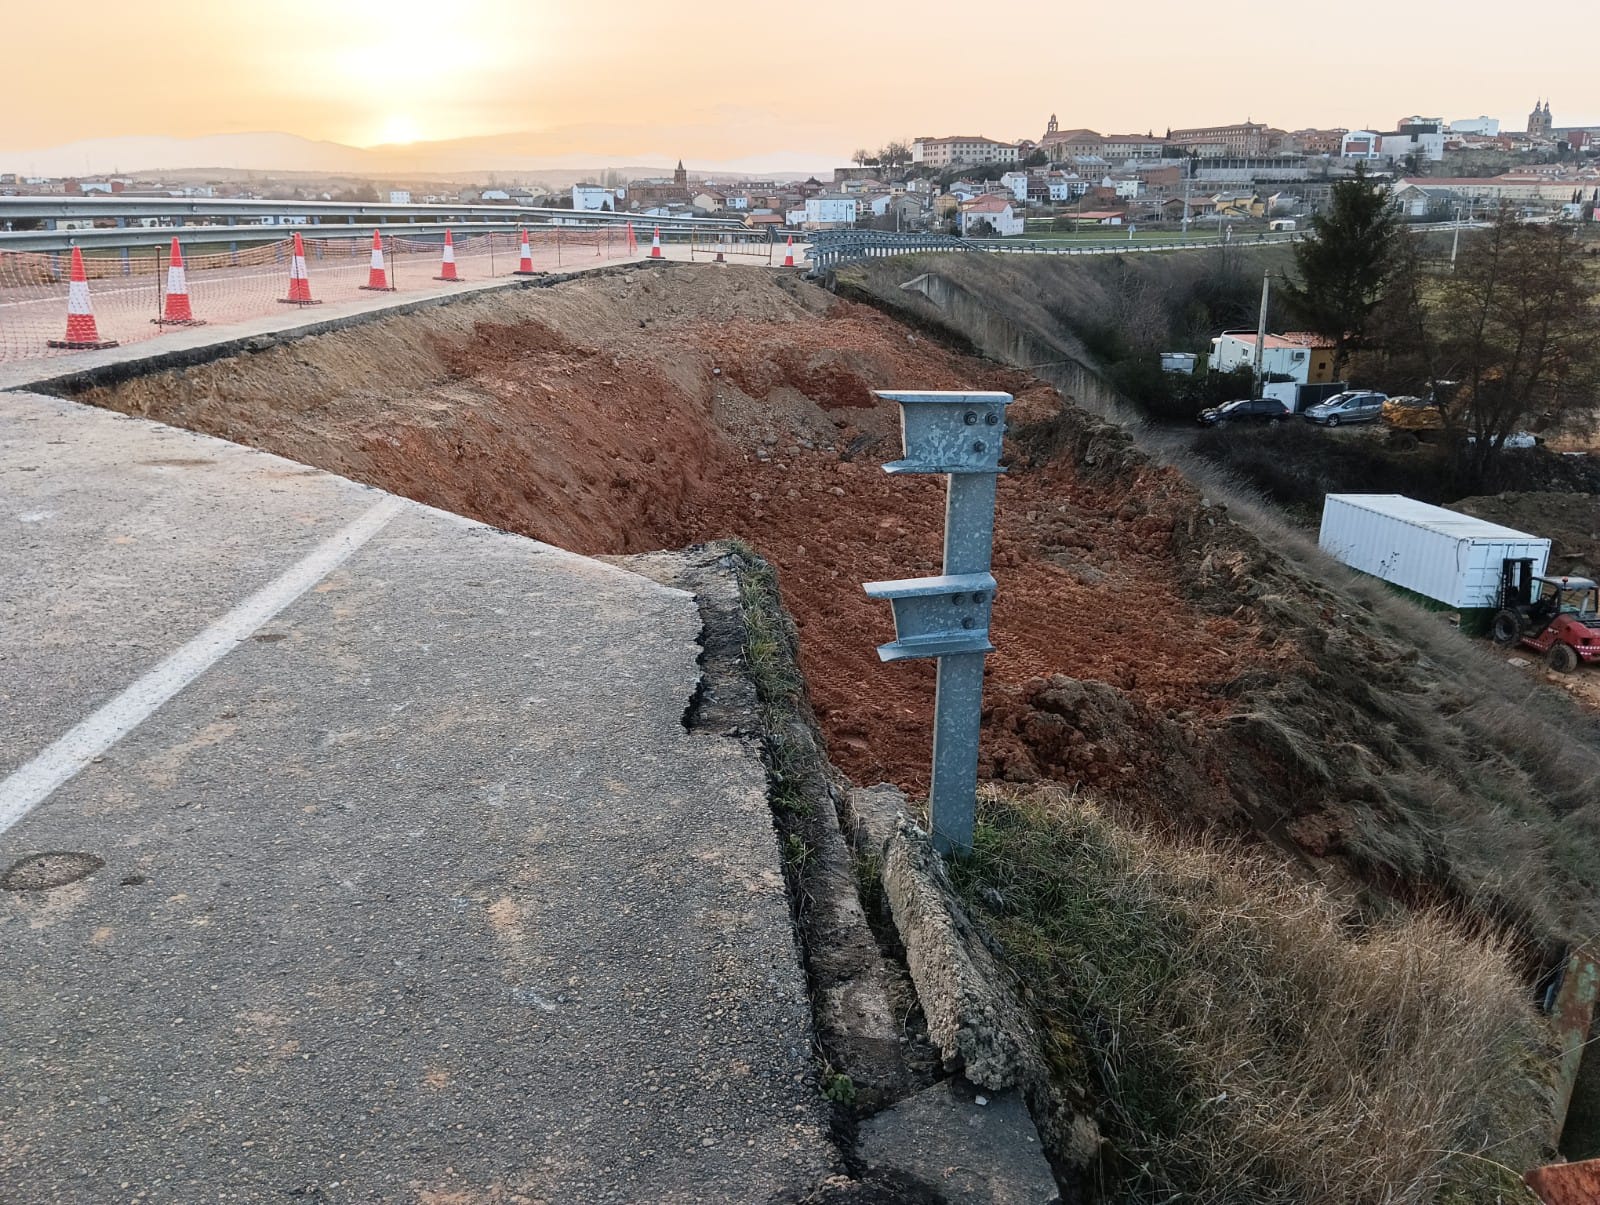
1245	410
1517	439
1352	406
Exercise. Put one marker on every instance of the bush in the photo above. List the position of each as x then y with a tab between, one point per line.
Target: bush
1250	1048
1171	396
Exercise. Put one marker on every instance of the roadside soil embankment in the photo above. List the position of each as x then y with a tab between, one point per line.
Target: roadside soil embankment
1150	647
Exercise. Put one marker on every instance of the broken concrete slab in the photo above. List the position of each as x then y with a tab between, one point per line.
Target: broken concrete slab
979	1027
971	1148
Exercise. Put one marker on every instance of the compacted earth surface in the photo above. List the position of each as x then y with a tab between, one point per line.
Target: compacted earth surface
1149	647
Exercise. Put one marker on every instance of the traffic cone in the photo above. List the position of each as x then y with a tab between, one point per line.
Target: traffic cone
655	245
447	262
177	311
299	280
525	263
82	334
788	253
722	240
377	275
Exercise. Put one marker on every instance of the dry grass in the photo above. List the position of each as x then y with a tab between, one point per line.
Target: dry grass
1250	1046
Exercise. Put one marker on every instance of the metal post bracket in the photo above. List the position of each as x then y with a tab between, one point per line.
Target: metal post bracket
949	431
937	616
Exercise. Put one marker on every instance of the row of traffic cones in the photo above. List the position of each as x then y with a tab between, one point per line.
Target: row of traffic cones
82	333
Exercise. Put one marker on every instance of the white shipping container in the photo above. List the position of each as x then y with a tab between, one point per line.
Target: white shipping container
1437	553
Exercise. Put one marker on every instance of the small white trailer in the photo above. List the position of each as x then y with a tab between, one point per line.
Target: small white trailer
1451	558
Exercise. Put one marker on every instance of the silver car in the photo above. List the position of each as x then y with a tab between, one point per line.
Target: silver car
1352	406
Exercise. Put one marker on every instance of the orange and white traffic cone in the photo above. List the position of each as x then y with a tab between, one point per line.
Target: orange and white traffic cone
525	260
378	275
299	279
82	334
447	261
655	245
177	311
722	241
788	253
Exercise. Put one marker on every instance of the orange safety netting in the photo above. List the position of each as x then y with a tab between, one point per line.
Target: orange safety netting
128	286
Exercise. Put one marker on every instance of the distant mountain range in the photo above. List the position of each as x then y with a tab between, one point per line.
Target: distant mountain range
504	154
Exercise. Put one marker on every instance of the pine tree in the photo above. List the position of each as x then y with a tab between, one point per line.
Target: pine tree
1345	264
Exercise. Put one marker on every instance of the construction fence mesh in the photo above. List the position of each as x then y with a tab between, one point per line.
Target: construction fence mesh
128	290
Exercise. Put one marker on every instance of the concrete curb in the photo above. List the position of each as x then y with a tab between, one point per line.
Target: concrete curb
979	1028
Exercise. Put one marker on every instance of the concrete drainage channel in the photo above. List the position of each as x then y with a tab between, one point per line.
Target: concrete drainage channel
928	1059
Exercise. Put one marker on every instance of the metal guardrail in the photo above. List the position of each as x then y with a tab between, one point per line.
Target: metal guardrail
234	237
829	248
193	210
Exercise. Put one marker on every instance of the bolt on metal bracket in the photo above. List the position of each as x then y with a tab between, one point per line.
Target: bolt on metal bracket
959	434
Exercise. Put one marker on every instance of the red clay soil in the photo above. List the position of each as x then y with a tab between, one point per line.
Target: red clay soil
1566	1183
616	456
1087	588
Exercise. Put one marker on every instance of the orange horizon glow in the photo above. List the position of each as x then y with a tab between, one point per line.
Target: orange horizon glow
635	79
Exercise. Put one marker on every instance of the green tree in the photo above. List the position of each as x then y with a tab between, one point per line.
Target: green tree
1345	264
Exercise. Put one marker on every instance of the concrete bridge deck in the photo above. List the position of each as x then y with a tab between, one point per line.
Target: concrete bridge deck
406	880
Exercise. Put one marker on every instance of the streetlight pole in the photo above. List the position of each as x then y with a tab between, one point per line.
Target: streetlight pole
1455	242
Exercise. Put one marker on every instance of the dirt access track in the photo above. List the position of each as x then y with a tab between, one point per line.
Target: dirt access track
1149	647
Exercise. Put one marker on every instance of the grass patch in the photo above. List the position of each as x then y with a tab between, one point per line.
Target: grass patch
1250	1046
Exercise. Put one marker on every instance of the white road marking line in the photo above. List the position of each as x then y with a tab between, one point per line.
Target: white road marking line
29	785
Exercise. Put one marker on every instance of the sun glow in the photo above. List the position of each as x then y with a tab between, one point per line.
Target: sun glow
398	128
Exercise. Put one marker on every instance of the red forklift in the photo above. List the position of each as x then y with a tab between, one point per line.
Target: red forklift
1556	616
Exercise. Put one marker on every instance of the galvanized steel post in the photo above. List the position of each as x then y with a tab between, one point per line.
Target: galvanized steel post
958	434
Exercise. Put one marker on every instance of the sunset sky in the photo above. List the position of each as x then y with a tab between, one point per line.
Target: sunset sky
627	81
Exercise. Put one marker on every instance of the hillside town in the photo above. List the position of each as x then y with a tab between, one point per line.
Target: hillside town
1243	175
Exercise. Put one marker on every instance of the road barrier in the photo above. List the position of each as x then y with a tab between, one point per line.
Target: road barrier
129	287
831	248
727	246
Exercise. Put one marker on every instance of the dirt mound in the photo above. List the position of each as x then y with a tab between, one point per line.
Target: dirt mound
1570	521
1148	644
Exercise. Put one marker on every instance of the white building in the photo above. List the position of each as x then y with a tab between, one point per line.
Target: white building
1484	127
399	196
996	210
1064	186
831	211
962	149
1420	136
593	198
1301	357
878	205
1360	144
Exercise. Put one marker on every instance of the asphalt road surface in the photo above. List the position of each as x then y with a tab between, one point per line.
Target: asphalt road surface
401	878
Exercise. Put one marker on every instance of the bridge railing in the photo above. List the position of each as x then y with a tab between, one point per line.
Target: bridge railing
831	248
